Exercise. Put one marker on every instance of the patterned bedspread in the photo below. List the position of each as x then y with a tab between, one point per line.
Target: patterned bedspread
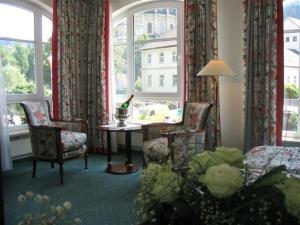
267	157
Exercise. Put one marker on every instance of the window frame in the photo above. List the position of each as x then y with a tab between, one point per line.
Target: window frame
174	96
38	12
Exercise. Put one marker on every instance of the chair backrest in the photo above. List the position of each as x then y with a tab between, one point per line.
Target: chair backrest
37	113
196	115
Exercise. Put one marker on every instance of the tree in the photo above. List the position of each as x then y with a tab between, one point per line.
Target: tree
21	55
138	84
291	91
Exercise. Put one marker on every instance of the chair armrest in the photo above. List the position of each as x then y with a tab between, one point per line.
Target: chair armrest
154	130
46	142
78	125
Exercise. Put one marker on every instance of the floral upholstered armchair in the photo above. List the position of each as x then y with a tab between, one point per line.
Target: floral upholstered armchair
177	141
54	140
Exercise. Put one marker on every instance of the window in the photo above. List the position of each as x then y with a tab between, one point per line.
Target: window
162	28
174	57
149	28
149	81
161	57
149	59
174	80
171	26
161	80
291	121
294	38
147	43
25	50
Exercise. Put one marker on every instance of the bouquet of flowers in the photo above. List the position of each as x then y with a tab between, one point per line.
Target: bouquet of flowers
217	189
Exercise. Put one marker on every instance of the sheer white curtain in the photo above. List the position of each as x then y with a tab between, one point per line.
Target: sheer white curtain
6	162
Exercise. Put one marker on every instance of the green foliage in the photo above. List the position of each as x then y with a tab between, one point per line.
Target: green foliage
138	85
21	53
291	91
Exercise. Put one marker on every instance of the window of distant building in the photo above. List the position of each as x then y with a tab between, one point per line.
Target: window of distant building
161	80
149	81
149	28
174	80
174	57
149	58
171	26
147	34
287	39
161	57
294	38
25	52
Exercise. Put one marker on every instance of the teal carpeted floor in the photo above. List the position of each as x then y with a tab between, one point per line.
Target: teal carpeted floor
98	198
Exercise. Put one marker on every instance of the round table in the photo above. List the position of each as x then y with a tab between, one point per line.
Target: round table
128	166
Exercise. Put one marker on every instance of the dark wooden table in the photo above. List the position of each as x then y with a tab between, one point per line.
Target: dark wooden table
128	166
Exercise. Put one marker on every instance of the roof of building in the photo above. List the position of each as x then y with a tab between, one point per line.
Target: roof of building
161	44
291	23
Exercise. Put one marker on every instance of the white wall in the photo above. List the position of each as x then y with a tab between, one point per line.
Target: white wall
230	43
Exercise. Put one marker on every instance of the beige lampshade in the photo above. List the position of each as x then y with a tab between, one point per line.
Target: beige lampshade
216	68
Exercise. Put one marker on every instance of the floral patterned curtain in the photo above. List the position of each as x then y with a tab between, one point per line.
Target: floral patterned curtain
81	77
260	70
200	48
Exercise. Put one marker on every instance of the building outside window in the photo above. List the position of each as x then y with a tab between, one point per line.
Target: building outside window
25	50
161	80
161	57
151	84
291	121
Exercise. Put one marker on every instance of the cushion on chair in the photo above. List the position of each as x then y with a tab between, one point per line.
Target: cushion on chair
72	140
37	114
195	115
156	150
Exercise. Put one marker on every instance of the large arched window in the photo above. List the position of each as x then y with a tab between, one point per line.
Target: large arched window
25	52
131	67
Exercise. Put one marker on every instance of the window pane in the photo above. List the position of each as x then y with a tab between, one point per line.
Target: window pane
120	31
47	62
46	29
16	115
16	23
18	67
155	24
157	111
120	70
162	67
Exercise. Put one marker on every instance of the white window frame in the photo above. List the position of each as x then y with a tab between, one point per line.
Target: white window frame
149	59
38	44
175	96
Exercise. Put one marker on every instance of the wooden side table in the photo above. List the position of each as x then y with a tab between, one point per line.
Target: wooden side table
128	166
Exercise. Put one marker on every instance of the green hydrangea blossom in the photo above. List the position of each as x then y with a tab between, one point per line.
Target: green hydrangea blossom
202	161
167	185
149	175
291	191
231	156
222	180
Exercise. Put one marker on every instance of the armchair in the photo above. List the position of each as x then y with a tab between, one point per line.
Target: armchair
177	141
54	140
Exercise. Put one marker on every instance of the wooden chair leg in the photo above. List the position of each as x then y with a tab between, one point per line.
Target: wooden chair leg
61	173
33	167
85	160
52	165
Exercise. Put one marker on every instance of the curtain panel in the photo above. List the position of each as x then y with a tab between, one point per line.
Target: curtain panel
200	48
260	58
79	73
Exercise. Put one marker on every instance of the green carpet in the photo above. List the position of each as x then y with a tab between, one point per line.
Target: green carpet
98	198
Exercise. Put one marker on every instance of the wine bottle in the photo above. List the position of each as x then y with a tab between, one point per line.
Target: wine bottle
127	102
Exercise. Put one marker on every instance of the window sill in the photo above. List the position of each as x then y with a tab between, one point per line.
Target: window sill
291	139
18	134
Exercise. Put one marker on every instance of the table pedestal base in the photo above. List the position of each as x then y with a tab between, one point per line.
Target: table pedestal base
121	168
